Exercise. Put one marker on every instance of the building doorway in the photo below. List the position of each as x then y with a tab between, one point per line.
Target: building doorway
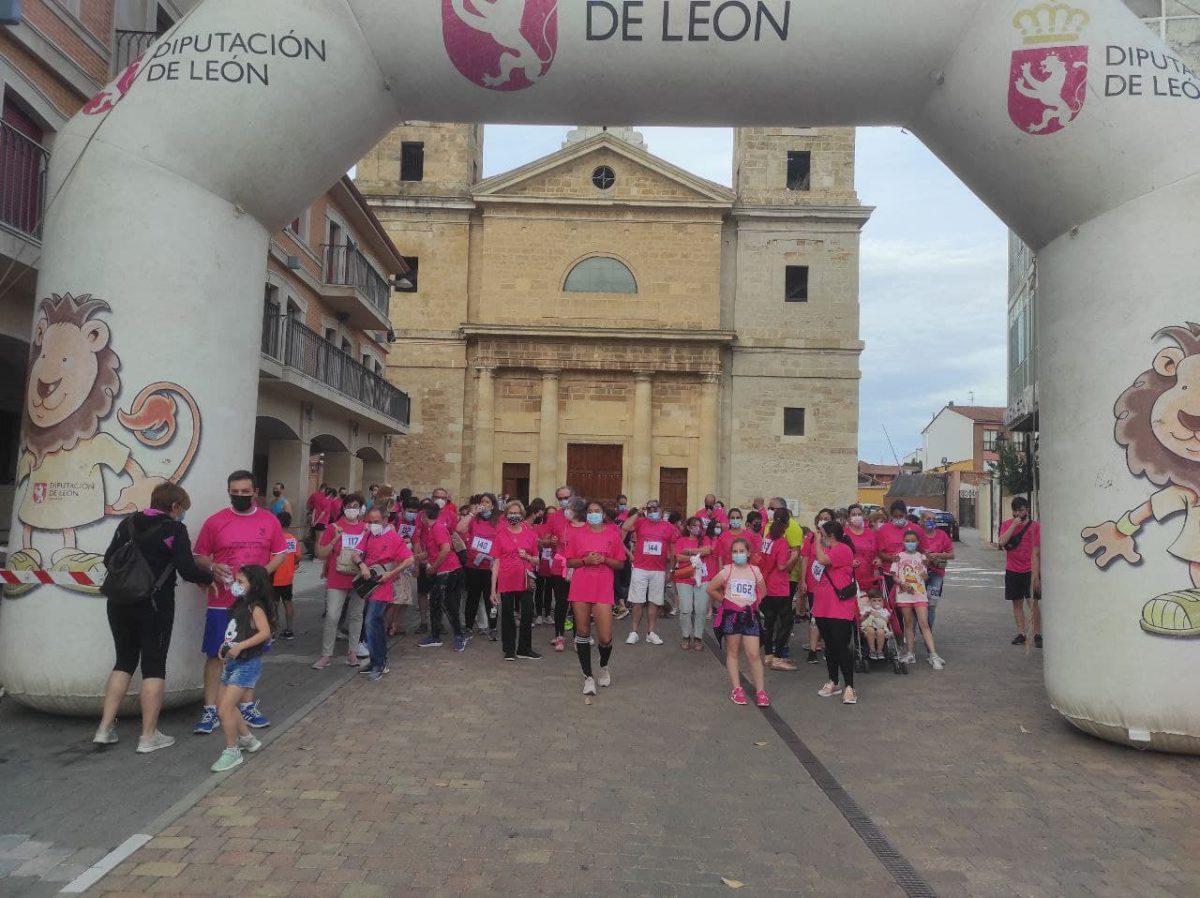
673	489
595	472
516	482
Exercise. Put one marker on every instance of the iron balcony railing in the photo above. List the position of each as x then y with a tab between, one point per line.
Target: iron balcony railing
345	266
291	343
23	165
130	45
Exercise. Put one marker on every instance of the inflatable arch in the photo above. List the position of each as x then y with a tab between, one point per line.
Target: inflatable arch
1070	119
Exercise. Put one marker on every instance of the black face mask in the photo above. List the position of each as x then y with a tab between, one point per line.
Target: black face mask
241	503
276	493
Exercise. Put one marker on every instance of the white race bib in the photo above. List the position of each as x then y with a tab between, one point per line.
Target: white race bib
652	548
481	545
291	545
742	591
407	530
766	546
818	570
351	540
548	554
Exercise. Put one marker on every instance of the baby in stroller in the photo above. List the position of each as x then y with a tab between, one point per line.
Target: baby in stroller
876	625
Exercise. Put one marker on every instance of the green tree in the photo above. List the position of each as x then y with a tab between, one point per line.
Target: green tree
1014	469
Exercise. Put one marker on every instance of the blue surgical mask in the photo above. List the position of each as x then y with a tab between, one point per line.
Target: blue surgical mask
595	517
899	522
736	523
410	516
622	507
655	515
929	525
740	558
486	513
236	589
910	547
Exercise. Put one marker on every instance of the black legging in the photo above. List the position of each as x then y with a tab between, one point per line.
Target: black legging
561	589
479	588
543	598
142	633
838	654
778	620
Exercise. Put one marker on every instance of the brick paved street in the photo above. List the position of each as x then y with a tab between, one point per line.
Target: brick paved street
462	775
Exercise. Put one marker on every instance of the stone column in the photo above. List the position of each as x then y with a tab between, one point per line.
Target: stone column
287	463
485	430
710	438
547	463
343	469
641	449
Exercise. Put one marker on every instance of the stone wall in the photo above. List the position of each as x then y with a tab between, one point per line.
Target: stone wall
453	161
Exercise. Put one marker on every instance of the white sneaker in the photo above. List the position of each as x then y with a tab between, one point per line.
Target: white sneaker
363	651
605	678
589	686
154	743
249	743
910	658
633	638
106	736
936	662
653	638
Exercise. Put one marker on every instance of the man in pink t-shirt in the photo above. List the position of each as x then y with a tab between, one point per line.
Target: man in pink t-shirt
1021	540
653	555
446	572
240	535
712	511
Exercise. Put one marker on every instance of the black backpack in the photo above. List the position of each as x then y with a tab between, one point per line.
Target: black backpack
130	581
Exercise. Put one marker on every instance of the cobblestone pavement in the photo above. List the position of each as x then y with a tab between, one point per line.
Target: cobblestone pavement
463	775
66	803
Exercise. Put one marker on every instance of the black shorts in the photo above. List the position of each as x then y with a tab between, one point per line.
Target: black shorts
284	593
141	635
424	581
1018	587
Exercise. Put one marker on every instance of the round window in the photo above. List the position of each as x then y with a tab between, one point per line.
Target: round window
604	178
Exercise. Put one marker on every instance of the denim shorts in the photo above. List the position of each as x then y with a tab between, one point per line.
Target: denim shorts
242	673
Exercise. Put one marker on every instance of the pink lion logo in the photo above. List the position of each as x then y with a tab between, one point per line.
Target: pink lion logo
109	97
504	45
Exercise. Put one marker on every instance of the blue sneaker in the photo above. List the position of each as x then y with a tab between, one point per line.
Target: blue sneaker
430	642
253	716
209	721
460	644
375	676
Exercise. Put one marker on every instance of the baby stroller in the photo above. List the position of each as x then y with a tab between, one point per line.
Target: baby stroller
891	646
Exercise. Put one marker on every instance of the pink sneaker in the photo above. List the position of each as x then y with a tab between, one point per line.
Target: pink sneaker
738	696
559	644
762	700
323	662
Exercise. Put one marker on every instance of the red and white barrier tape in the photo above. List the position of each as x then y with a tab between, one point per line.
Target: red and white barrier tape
47	578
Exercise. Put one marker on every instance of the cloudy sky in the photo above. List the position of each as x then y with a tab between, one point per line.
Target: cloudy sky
934	272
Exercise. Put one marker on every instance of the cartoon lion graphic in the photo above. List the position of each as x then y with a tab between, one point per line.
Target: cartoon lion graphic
1158	426
74	380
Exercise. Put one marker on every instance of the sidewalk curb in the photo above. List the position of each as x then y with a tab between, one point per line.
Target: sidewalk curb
106	864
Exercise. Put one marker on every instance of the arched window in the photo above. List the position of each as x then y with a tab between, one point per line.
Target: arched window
600	275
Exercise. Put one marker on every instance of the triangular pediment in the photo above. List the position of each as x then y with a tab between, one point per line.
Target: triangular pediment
566	176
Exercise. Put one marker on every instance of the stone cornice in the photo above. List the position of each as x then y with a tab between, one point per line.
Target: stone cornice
578	332
420	203
854	215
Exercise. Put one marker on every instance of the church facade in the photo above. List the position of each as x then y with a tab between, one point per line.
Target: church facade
605	319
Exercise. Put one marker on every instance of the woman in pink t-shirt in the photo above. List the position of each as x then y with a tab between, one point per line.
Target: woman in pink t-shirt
336	548
737	590
866	548
383	555
694	550
778	617
594	553
516	555
478	531
833	570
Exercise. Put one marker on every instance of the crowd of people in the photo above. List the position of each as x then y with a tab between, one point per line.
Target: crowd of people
863	585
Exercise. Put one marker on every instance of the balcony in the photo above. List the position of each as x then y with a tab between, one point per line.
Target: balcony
297	350
352	287
129	46
23	165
